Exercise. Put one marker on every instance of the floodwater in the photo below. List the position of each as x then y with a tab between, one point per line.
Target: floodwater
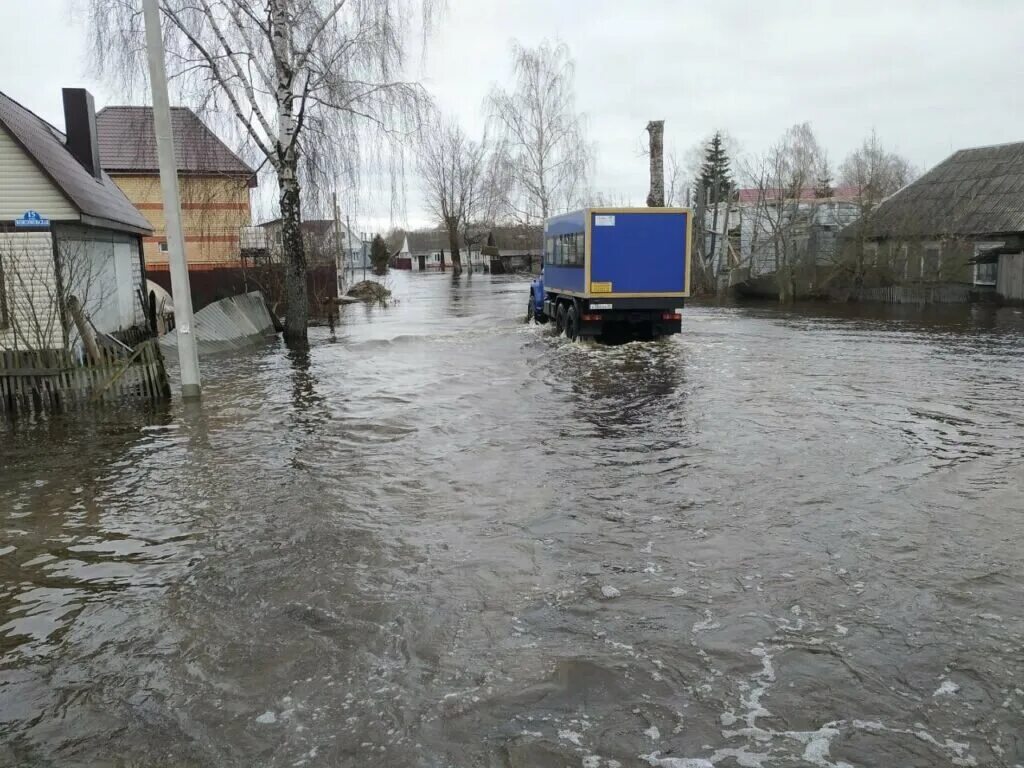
447	538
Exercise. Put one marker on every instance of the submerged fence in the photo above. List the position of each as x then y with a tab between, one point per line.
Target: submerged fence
918	294
44	380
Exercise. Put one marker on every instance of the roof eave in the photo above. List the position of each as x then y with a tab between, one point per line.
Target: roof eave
103	223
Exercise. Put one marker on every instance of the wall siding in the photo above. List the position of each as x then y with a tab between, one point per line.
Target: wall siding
30	286
1010	277
23	187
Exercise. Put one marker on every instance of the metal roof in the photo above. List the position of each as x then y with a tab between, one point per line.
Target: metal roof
128	144
977	191
101	199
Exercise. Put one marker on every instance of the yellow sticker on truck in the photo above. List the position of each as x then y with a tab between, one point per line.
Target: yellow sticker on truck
600	287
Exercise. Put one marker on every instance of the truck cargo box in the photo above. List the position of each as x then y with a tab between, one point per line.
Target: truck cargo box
618	253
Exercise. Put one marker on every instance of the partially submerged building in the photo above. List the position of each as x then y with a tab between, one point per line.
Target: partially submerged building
66	231
961	223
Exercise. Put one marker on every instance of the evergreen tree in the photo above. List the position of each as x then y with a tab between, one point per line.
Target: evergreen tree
716	169
380	255
823	188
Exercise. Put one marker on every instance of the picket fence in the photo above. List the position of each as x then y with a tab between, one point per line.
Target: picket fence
918	294
50	380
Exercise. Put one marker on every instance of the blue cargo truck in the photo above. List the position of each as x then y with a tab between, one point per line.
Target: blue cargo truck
611	271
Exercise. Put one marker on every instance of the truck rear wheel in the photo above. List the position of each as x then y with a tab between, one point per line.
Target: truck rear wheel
531	310
560	318
572	324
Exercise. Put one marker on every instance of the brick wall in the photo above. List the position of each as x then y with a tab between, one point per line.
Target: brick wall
213	210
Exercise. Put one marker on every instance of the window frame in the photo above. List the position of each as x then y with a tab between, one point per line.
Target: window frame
978	248
936	246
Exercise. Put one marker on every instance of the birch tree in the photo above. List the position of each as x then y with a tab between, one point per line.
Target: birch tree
782	177
874	173
452	168
541	144
304	83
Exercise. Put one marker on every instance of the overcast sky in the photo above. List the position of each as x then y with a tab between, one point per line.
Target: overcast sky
930	76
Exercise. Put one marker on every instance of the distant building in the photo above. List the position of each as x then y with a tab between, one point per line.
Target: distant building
430	251
214	184
320	237
812	225
961	222
66	230
515	248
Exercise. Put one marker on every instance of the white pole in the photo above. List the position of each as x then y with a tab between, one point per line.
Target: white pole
187	353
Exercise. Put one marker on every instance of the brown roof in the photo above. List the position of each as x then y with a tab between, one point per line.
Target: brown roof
97	198
753	194
977	191
128	144
430	241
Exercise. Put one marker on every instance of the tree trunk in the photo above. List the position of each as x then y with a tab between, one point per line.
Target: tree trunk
297	315
453	243
656	197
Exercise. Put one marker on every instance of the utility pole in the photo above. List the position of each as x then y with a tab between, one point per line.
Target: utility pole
364	256
188	355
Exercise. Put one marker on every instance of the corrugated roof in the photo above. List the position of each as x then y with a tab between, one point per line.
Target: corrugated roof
128	143
99	198
977	191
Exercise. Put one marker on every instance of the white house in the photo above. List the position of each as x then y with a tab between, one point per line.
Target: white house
66	230
430	251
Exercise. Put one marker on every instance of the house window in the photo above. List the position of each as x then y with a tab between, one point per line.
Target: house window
931	261
986	274
899	264
162	246
871	253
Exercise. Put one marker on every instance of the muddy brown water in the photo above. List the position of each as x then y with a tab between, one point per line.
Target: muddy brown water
446	538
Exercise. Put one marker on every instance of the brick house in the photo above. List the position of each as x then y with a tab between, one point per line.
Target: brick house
214	184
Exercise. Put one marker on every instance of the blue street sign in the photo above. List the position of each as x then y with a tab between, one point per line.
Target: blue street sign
31	219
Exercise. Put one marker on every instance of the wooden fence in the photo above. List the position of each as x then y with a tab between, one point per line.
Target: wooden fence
918	294
43	380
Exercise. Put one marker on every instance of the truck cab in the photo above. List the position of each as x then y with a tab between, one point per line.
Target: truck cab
614	271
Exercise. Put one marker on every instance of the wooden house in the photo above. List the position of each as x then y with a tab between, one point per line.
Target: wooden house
66	230
961	223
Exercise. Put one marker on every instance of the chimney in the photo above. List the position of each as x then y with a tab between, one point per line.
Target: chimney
80	127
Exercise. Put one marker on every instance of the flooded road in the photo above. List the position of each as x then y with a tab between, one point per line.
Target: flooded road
446	538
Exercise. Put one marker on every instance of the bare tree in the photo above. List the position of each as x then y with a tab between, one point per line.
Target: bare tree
452	168
783	176
677	182
874	173
542	151
305	83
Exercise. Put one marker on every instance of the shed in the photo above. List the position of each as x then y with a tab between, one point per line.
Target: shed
65	230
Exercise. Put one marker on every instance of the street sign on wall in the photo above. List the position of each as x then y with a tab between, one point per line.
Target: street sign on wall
31	220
